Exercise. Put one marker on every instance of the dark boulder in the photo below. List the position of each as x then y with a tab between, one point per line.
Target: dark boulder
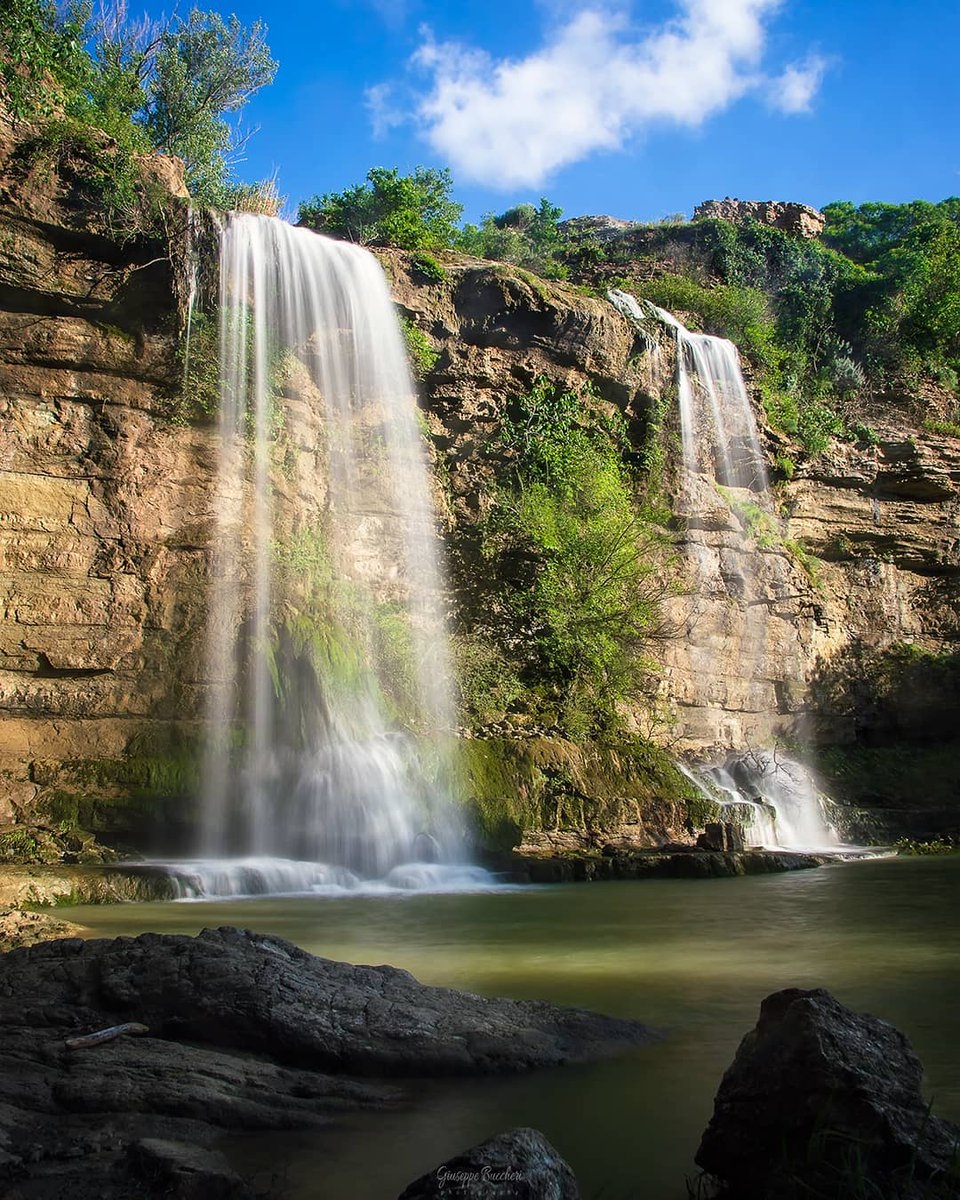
519	1165
722	835
181	1171
245	1032
822	1101
252	992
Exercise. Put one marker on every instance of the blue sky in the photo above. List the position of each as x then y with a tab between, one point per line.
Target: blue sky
634	109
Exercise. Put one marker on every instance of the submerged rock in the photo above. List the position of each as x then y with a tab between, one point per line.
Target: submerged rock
822	1101
21	928
519	1165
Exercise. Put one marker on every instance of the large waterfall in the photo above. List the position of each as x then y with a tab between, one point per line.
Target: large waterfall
770	794
312	777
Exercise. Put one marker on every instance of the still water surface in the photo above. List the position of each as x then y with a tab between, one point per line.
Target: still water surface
691	957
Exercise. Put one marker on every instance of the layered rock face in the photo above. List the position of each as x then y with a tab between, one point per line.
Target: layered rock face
107	501
102	501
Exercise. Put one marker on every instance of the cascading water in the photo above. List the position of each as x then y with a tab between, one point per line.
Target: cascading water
309	783
773	797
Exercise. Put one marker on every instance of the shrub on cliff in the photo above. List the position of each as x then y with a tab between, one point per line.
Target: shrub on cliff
413	212
525	235
581	558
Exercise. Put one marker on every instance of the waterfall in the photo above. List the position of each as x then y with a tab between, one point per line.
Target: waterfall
771	796
312	779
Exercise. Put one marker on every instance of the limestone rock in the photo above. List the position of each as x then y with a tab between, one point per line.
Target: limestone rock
799	219
824	1101
21	928
519	1165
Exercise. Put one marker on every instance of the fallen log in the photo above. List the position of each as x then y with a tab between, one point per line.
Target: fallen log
105	1035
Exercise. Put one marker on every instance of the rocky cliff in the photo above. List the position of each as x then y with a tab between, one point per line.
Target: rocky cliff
106	516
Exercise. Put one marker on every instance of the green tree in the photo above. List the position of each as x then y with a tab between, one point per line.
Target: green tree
413	212
525	235
594	561
906	310
42	56
149	87
205	68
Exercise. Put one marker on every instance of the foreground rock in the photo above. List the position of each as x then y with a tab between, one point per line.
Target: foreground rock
821	1101
519	1165
245	1032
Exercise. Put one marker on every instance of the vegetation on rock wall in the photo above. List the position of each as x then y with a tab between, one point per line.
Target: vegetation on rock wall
149	87
580	557
522	788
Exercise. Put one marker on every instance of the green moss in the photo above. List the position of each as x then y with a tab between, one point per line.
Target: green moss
427	268
421	351
515	787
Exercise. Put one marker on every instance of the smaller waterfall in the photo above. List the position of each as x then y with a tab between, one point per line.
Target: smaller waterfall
718	430
774	798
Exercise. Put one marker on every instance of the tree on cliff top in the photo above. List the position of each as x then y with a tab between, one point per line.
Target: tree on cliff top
205	68
168	88
414	212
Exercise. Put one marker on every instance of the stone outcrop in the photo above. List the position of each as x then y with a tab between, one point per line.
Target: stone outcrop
519	1165
21	928
245	1032
798	219
824	1101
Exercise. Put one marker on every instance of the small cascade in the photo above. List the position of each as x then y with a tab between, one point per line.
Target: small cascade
312	778
772	797
718	431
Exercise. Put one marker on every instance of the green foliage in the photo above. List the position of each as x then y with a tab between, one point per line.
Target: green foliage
421	352
198	362
594	560
488	683
949	428
204	68
739	313
906	309
426	267
43	60
413	212
527	236
149	88
910	848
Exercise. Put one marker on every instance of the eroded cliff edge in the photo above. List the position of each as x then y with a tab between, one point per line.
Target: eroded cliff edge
106	522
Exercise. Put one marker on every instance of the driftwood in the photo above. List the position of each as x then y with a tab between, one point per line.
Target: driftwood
104	1035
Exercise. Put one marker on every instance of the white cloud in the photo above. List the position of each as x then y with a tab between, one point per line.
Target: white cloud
794	90
385	113
596	82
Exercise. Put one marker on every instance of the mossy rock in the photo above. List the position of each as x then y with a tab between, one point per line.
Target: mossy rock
519	786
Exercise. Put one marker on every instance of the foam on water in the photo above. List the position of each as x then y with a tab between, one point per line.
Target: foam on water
248	878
